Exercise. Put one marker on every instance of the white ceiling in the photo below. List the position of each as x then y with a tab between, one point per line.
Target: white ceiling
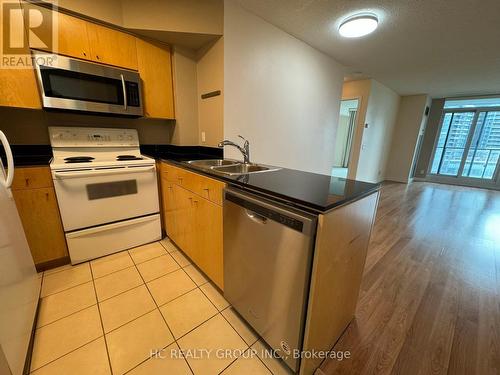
440	47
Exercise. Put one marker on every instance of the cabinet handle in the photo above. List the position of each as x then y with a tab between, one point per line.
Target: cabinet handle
47	196
27	182
84	54
97	57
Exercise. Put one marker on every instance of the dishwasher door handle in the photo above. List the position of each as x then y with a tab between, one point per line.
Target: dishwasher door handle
256	217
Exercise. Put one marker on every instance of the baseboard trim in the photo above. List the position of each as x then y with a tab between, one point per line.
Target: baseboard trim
52	263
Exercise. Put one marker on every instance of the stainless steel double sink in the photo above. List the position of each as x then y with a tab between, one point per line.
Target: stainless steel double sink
231	167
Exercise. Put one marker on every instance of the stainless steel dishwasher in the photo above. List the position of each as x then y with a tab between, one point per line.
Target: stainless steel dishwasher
267	262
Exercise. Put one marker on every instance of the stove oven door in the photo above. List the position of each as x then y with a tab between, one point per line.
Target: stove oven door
91	197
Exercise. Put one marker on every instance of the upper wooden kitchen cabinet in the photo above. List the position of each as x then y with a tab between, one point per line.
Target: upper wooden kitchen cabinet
37	206
155	67
112	47
72	38
17	85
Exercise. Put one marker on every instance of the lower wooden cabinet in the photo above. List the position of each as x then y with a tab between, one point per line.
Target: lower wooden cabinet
194	223
40	217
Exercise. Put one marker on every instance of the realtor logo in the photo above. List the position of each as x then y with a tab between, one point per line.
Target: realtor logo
23	27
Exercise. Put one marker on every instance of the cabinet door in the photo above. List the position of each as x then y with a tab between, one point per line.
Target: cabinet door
31	178
18	87
42	224
155	68
72	38
184	220
168	201
208	236
112	47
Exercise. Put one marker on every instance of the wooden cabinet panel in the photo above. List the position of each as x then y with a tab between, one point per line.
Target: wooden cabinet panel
18	87
155	68
168	203
206	187
212	190
168	172
31	178
42	224
208	236
184	221
72	38
112	47
193	221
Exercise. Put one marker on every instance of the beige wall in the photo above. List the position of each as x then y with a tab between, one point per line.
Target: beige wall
185	94
210	77
357	90
431	131
27	126
186	16
409	124
381	115
193	16
108	10
280	93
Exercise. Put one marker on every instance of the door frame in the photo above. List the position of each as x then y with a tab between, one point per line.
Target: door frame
354	130
493	183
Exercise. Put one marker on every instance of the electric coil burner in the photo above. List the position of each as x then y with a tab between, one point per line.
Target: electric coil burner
106	190
128	157
78	159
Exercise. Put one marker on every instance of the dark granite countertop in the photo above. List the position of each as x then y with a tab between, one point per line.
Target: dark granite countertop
181	153
312	192
26	155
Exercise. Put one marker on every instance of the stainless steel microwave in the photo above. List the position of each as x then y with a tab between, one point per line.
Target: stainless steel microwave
76	85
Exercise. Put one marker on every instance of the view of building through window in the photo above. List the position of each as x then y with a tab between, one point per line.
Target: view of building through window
469	139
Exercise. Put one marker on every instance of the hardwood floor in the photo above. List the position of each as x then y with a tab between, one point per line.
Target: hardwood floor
430	295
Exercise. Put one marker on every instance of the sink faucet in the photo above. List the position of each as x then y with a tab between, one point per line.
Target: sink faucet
245	150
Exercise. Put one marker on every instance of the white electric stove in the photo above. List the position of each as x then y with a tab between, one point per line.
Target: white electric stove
106	190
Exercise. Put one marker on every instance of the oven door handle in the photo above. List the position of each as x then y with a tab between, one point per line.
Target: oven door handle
124	88
103	172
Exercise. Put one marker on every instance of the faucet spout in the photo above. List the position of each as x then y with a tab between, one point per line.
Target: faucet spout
245	149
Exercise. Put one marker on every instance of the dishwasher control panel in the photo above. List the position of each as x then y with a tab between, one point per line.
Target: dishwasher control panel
267	213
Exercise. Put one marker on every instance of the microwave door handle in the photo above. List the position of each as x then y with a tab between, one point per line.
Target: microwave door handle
125	104
10	161
63	175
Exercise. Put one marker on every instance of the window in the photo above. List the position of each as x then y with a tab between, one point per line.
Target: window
468	144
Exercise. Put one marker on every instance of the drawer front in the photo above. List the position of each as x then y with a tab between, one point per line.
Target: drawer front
212	190
205	187
31	178
168	173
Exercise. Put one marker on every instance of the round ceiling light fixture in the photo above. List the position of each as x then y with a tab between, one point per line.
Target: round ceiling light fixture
358	25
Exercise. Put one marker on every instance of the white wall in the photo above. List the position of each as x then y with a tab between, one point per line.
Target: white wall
280	93
381	115
410	123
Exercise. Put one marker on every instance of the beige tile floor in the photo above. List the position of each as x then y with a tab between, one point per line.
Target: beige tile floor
108	315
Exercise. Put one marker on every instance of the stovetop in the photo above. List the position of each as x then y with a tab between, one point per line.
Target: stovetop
89	148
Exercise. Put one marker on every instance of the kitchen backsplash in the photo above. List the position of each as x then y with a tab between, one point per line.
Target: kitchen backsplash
30	127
